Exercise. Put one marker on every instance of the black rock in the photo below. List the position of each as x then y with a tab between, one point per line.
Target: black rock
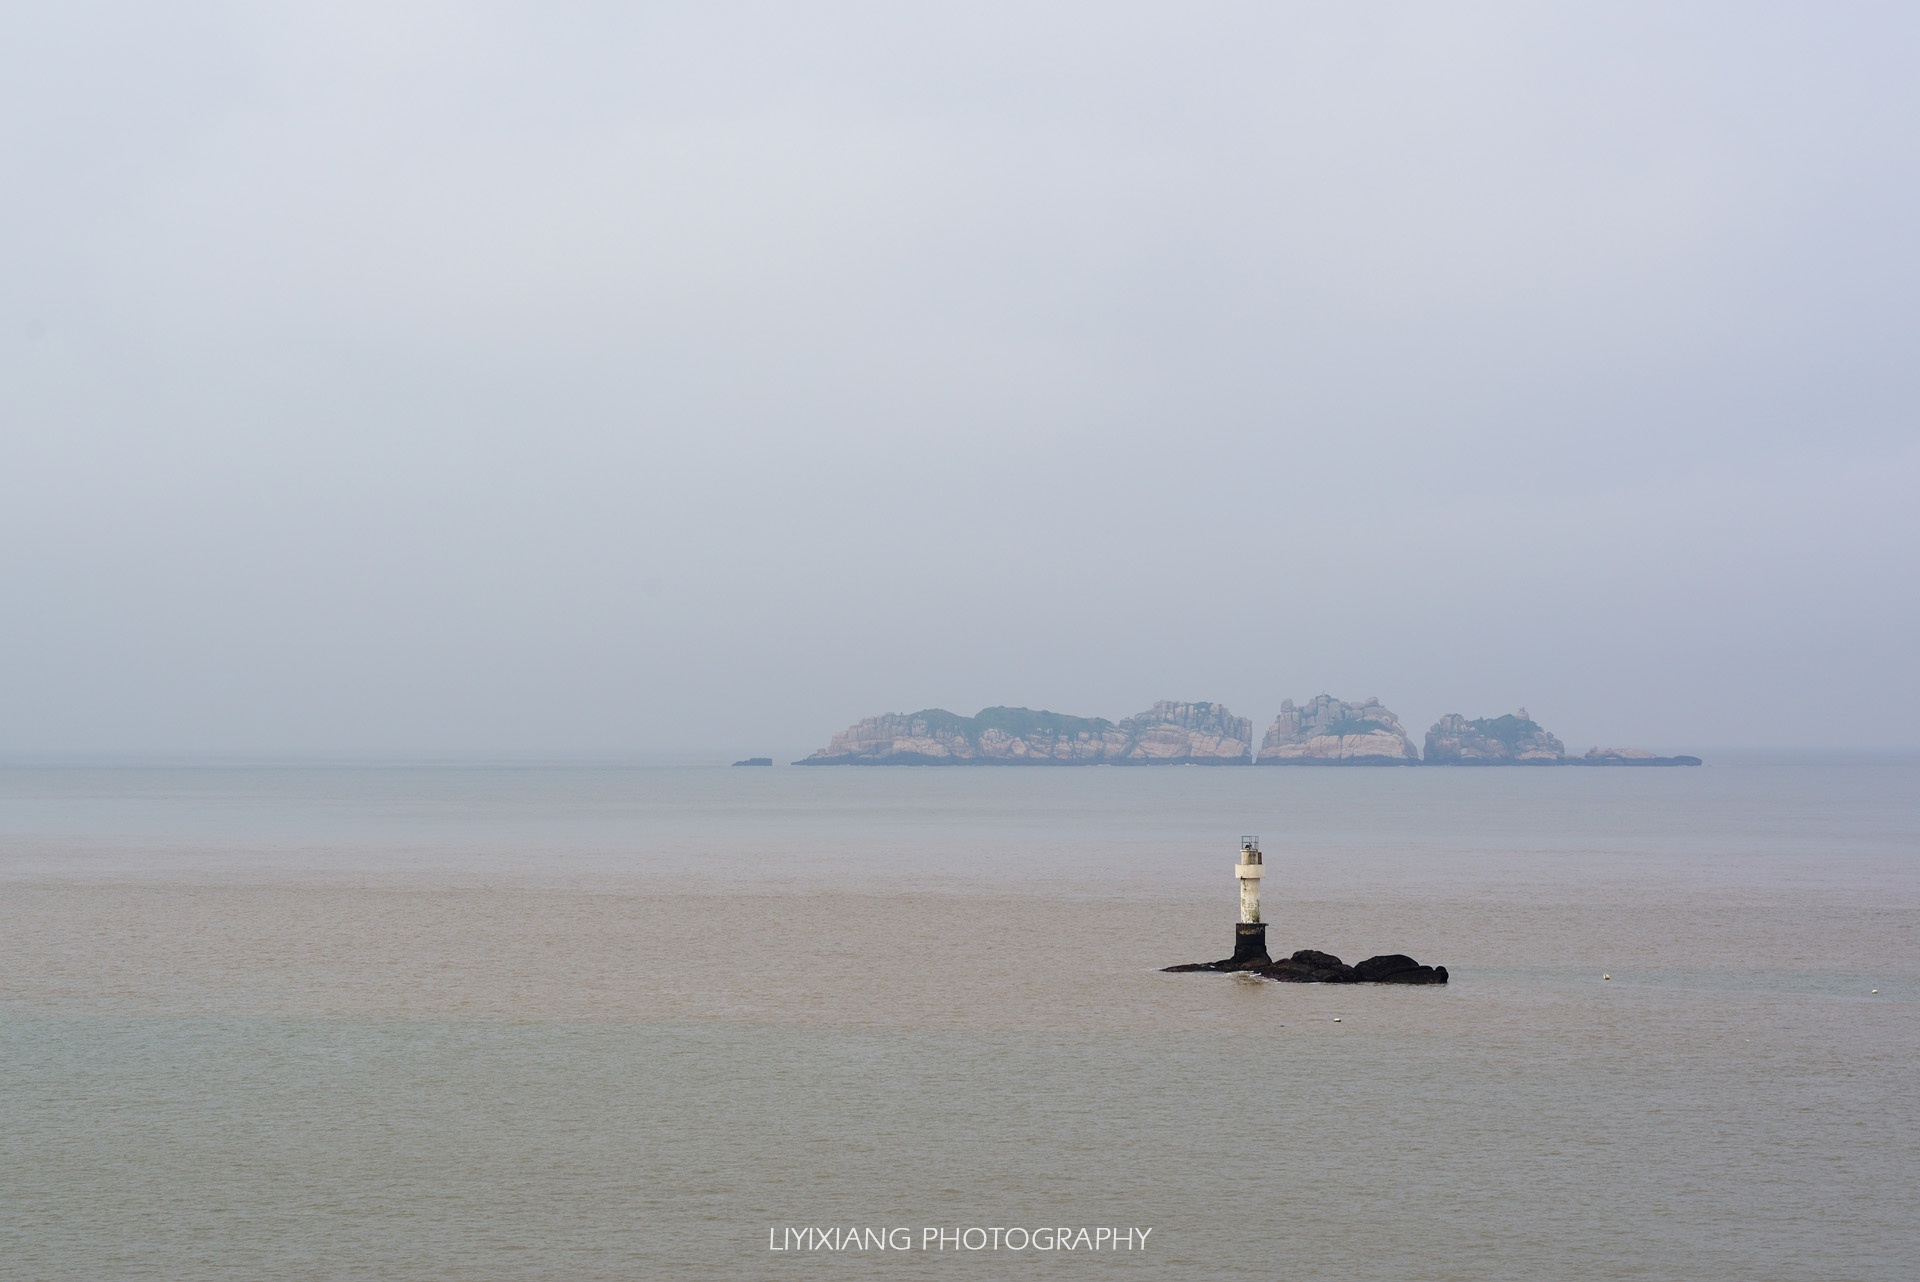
1397	968
1249	951
1309	966
755	761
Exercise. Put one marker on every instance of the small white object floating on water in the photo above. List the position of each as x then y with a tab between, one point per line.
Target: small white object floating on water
1876	990
1336	1019
1606	977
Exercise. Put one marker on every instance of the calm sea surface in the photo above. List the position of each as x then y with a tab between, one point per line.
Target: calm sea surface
619	1022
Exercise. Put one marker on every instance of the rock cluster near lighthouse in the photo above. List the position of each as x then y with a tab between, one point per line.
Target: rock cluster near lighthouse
1511	740
1330	731
1309	966
1167	733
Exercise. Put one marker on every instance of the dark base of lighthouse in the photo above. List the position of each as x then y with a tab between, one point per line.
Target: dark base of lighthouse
1249	950
1250	944
1310	967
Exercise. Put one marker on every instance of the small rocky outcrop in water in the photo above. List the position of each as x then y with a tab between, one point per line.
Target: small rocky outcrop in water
1512	740
1326	731
1629	757
1167	733
1310	967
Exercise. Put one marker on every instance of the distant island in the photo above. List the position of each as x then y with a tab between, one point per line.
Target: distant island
1512	740
1324	731
1518	740
1332	732
1629	757
1168	733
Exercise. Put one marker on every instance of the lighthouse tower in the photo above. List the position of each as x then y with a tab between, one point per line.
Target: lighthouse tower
1250	935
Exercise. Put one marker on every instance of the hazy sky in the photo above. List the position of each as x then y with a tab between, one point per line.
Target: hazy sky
584	377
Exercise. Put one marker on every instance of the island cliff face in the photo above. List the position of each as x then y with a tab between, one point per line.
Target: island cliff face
1195	732
1167	733
1512	740
1332	732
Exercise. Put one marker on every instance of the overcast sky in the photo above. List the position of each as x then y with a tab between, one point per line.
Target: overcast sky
583	378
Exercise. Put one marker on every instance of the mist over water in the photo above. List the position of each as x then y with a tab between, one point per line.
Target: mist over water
618	1021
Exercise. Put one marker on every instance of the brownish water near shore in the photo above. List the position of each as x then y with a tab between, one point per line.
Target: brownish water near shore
584	1022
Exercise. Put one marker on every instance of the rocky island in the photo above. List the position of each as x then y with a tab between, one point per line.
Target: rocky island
1332	732
1324	731
1516	739
1512	740
1629	757
1168	733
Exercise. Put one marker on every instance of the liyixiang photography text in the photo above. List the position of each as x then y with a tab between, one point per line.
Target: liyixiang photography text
973	1238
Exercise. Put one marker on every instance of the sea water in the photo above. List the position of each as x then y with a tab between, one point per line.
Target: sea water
654	1020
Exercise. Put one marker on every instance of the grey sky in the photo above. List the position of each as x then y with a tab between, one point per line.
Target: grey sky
502	378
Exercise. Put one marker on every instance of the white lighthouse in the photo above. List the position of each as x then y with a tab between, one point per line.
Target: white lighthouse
1250	936
1249	870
